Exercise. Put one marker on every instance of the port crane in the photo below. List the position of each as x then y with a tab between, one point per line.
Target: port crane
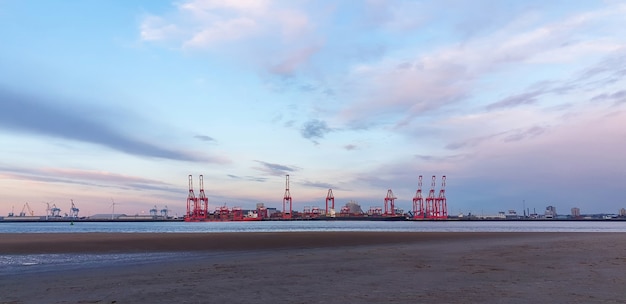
55	211
330	198
418	201
201	210
390	206
26	207
441	205
153	211
287	200
430	200
191	201
73	210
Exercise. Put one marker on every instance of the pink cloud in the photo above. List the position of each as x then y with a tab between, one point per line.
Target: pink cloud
291	62
429	80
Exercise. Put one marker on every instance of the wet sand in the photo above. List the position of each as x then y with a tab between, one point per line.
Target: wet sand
329	267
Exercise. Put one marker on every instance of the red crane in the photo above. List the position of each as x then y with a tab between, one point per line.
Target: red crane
287	199
418	201
330	198
390	207
430	200
191	201
441	204
202	208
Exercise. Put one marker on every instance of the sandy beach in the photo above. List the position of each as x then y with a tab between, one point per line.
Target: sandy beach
328	267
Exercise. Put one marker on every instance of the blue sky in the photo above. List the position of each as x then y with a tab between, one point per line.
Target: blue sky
514	101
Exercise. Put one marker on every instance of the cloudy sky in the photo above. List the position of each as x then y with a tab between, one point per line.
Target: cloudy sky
514	101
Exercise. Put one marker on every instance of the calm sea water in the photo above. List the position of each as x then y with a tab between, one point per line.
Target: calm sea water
286	226
35	263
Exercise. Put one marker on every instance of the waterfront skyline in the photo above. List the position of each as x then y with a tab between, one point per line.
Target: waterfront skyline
516	102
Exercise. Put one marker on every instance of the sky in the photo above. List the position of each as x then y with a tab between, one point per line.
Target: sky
517	103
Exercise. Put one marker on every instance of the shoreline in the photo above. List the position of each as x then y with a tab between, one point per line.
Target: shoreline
40	219
327	267
102	242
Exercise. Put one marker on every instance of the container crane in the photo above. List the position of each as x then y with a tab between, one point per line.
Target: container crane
330	198
287	199
55	211
201	211
191	201
26	207
441	204
430	200
153	211
418	201
390	207
73	210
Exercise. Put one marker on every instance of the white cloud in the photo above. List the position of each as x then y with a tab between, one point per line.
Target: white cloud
277	36
228	30
154	28
206	23
285	38
242	6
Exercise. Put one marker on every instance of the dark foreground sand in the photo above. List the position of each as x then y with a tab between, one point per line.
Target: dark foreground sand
330	267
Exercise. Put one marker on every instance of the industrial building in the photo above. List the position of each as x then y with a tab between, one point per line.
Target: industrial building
431	208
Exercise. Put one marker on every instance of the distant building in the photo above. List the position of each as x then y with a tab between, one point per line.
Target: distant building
500	216
512	215
353	207
575	212
550	212
271	211
622	212
107	216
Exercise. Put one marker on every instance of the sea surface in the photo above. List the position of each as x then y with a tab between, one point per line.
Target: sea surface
36	263
286	226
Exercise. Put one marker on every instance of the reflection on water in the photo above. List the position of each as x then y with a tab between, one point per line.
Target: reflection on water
24	263
286	226
34	263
